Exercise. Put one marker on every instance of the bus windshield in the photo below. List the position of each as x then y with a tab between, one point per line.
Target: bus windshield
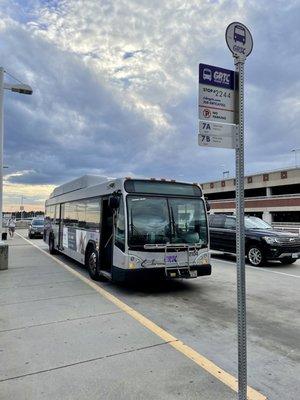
161	220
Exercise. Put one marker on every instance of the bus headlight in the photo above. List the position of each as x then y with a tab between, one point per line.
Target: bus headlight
203	258
132	265
134	262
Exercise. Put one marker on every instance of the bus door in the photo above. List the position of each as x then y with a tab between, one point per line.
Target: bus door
56	224
106	236
60	242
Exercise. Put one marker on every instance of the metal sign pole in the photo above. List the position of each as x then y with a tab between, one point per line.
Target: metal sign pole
240	43
240	238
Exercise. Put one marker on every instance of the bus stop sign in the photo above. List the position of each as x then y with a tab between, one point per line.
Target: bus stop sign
240	43
239	40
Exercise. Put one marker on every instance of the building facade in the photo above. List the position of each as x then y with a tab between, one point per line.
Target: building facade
273	196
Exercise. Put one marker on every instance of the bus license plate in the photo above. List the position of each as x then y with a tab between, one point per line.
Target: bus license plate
193	274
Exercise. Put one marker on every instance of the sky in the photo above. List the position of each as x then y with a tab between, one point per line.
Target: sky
115	89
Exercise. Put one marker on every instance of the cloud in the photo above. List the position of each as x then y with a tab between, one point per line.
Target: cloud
115	87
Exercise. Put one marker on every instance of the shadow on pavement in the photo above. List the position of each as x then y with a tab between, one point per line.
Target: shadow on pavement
157	287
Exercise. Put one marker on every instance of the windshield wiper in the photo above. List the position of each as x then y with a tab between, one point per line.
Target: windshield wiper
173	224
256	227
133	229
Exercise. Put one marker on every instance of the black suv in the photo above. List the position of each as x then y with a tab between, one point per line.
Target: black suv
262	242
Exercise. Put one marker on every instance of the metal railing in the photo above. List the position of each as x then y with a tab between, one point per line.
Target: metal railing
277	196
174	264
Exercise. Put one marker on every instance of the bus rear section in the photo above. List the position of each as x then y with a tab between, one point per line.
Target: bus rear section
141	229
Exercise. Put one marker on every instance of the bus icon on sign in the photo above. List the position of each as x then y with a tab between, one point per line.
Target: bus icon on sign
207	76
239	34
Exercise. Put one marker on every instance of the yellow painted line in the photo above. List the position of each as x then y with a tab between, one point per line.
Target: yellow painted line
200	360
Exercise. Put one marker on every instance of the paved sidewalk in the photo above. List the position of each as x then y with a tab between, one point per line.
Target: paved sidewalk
60	339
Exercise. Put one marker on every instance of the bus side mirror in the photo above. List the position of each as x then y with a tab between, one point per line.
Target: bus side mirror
207	204
114	202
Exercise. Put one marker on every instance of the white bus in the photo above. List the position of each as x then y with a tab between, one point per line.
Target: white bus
123	229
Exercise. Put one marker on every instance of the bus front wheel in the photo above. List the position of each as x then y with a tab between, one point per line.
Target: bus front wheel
92	263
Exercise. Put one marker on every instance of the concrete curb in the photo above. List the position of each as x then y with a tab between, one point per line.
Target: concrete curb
3	256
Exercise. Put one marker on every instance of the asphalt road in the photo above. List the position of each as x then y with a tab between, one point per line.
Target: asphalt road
202	313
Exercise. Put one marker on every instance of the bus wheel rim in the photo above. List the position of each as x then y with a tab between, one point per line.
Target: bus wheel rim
92	262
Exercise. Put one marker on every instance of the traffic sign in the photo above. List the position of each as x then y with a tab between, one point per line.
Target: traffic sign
239	40
216	94
212	134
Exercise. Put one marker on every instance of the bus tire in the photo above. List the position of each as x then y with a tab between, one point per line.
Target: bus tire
51	246
92	263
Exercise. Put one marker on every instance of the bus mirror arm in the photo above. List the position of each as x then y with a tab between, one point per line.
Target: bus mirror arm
114	200
207	204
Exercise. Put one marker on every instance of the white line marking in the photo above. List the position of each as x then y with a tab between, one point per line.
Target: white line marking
256	268
274	272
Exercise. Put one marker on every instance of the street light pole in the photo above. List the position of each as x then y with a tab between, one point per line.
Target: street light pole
22	206
225	174
1	146
19	88
295	152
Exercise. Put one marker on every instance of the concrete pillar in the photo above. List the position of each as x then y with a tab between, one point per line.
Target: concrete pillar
269	191
267	216
3	256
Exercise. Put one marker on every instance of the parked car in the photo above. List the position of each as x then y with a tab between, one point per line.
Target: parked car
262	242
36	228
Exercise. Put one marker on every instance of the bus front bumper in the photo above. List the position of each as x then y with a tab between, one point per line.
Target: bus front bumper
145	274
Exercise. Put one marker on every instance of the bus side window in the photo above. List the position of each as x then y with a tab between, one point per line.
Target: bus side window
51	214
93	214
56	215
47	222
73	214
67	216
120	227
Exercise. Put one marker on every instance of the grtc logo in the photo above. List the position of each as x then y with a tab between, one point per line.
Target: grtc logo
222	77
170	259
239	49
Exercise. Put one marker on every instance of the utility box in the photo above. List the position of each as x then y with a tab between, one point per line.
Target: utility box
3	256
